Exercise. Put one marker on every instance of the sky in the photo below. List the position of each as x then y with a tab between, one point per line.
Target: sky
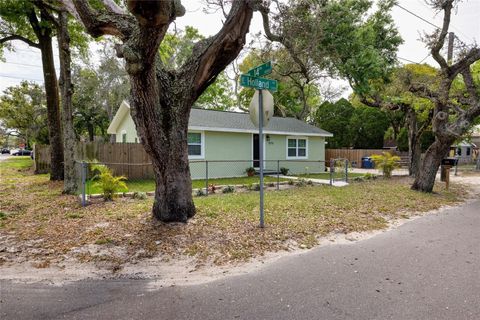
25	63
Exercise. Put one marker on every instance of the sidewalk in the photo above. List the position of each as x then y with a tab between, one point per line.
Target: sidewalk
318	181
396	172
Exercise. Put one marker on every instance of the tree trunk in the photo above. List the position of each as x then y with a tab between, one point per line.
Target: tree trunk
162	125
53	110
425	178
69	139
415	155
414	148
91	132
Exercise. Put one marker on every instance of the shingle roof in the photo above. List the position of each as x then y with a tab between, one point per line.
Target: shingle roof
202	119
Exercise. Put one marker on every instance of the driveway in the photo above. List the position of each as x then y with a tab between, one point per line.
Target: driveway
426	269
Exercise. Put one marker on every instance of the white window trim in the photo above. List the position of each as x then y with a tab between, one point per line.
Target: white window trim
202	145
296	138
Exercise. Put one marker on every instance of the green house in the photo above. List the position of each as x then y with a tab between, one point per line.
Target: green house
230	142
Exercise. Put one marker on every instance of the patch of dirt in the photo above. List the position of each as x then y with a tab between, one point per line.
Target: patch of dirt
129	245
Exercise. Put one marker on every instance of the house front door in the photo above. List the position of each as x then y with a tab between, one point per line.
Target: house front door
256	151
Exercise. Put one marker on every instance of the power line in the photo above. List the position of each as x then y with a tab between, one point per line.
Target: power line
416	15
433	25
408	60
451	25
21	78
428	55
23	64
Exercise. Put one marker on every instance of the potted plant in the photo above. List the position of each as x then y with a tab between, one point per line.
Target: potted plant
250	171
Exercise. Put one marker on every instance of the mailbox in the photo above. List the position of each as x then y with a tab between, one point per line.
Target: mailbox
449	162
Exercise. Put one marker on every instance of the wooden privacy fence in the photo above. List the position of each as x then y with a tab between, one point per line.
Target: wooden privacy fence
131	160
355	156
128	159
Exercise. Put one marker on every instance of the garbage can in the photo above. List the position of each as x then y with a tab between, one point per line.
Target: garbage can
367	163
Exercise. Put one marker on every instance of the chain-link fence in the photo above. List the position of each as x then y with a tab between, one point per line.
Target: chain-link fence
339	170
105	180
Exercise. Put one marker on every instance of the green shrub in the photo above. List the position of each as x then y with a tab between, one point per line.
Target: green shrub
284	171
270	184
107	182
139	195
301	183
200	193
386	162
370	176
228	189
291	182
256	187
250	171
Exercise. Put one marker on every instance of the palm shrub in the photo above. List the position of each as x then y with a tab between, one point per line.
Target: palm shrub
386	162
107	182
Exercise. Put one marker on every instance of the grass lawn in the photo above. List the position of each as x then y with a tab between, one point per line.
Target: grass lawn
46	225
149	184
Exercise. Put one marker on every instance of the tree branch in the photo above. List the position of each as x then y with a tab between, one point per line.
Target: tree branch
276	38
470	85
151	13
101	23
18	37
447	7
210	56
423	91
113	7
464	64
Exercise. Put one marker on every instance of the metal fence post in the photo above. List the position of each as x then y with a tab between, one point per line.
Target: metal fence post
84	183
346	170
206	178
331	171
278	175
456	165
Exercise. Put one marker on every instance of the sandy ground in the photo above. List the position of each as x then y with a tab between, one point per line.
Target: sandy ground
183	271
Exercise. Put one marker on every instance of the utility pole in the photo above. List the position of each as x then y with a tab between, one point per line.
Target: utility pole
451	38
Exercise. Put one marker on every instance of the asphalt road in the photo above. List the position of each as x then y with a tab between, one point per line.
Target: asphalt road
428	268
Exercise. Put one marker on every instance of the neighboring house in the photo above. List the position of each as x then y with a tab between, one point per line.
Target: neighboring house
231	139
464	151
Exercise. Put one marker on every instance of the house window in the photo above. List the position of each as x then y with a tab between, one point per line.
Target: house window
124	136
297	148
459	152
195	145
468	151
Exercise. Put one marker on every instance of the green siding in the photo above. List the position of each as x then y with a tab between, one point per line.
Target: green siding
276	149
238	146
222	146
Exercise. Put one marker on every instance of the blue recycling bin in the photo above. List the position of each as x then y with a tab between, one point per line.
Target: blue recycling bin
367	163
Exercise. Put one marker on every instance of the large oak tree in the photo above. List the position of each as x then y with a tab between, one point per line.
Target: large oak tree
453	113
161	98
25	21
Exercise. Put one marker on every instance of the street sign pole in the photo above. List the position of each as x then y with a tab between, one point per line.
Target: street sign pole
260	137
252	80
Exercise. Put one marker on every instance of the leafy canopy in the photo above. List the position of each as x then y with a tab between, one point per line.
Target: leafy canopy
23	110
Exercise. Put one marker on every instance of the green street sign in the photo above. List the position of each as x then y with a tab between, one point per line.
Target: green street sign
261	70
258	83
